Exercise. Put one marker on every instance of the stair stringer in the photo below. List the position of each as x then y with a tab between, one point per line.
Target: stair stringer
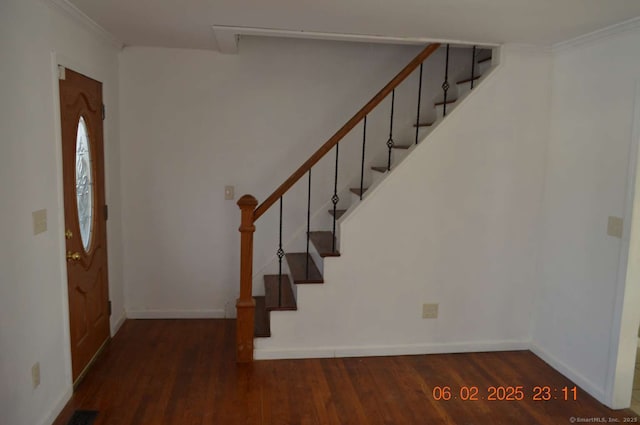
349	315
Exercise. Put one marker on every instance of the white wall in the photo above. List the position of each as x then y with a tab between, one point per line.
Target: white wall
581	268
195	121
454	224
33	297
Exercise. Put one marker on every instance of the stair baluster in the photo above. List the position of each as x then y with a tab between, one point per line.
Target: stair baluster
308	224
445	85
390	142
419	99
364	141
280	255
335	200
473	65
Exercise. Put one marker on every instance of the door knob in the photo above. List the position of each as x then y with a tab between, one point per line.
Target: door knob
74	256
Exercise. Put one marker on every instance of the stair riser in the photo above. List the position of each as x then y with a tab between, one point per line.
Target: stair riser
483	67
465	88
377	177
316	256
397	155
258	277
440	110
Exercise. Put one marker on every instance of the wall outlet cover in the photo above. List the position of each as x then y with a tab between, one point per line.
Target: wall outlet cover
35	374
614	227
39	221
229	193
429	311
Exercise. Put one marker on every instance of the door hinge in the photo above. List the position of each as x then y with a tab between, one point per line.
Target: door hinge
109	307
104	112
62	74
106	212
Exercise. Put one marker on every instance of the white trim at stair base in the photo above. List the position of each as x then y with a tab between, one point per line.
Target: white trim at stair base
585	384
176	314
387	350
57	407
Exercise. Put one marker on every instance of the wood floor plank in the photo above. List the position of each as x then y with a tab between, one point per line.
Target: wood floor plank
183	372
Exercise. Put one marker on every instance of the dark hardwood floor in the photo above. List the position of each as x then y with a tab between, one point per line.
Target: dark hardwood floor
182	372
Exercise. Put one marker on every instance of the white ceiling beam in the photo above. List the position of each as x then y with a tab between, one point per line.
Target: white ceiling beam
227	40
229	35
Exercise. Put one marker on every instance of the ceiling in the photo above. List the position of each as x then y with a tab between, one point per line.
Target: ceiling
187	23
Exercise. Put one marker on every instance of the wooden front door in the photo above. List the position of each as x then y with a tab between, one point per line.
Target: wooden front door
84	215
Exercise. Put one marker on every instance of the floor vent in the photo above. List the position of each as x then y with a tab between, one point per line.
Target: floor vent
83	417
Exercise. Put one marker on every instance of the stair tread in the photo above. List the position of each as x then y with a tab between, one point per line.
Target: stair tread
357	191
261	323
449	101
401	146
339	213
323	241
424	124
467	80
483	60
380	169
298	265
271	293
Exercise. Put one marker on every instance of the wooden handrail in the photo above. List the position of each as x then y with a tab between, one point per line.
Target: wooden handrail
344	130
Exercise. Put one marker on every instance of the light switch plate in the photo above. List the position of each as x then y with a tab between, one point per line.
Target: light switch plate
429	311
39	221
229	193
35	375
614	227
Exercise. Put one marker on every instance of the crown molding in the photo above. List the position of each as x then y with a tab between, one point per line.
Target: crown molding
79	16
598	35
227	37
527	49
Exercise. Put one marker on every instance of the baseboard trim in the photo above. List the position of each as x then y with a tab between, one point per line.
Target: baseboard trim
58	407
118	324
175	314
578	379
387	350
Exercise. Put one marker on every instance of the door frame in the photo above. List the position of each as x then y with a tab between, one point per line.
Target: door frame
97	74
626	316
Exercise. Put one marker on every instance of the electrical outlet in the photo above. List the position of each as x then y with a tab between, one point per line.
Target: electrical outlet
229	193
39	221
614	227
35	374
429	311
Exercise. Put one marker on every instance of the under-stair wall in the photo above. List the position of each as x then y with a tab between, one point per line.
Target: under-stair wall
454	224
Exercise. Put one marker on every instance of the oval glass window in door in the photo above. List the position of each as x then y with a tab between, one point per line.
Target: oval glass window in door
84	184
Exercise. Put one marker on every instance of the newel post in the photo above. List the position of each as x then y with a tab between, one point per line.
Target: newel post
245	305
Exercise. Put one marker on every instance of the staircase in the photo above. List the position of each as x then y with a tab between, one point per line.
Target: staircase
305	268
